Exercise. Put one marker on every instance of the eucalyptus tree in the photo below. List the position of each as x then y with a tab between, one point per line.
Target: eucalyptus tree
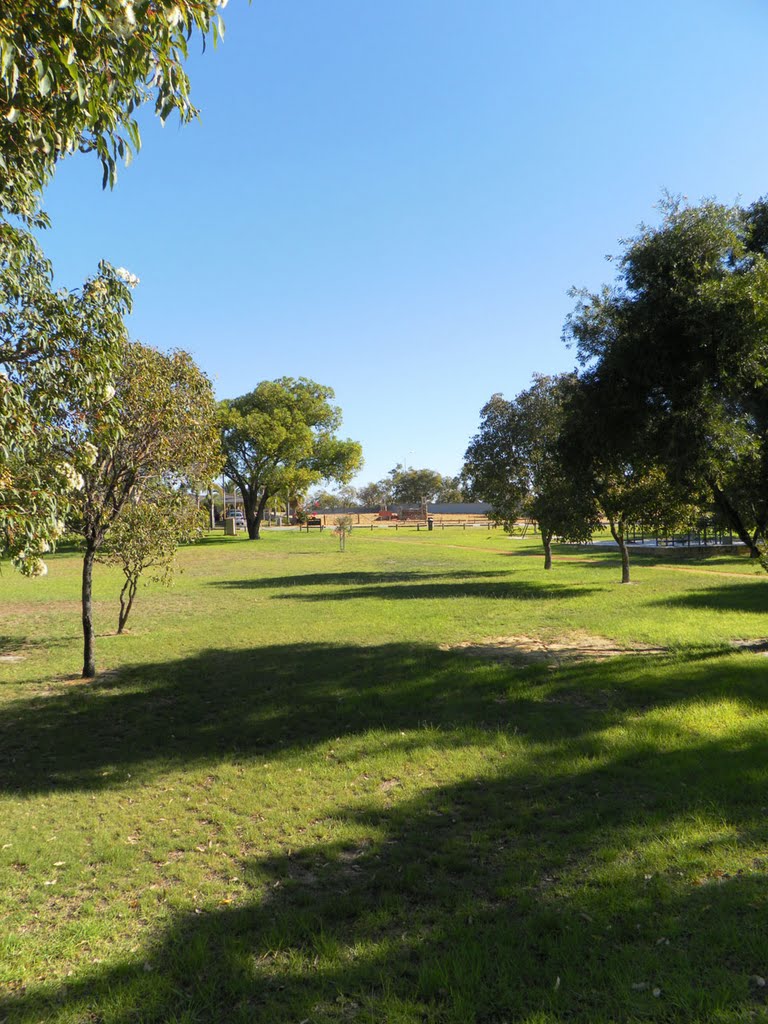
682	334
59	356
165	429
73	74
281	438
514	462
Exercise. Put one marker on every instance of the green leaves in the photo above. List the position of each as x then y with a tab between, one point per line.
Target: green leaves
59	352
72	75
678	362
280	438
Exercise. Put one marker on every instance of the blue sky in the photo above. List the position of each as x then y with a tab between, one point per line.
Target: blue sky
394	198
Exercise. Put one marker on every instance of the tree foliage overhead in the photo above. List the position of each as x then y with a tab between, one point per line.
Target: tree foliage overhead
73	73
681	336
59	357
281	438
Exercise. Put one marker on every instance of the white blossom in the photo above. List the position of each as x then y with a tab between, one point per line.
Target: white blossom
109	392
125	275
88	451
73	479
128	11
36	567
174	17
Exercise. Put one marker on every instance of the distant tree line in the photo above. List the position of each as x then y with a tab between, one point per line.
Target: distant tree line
401	486
666	416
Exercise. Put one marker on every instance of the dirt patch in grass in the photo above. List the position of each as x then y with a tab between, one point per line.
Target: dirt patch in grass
568	647
755	646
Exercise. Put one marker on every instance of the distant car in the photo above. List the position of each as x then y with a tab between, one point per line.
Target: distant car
237	515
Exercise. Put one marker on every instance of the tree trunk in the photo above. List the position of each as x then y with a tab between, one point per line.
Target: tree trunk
255	518
89	664
734	521
546	540
251	506
617	530
129	586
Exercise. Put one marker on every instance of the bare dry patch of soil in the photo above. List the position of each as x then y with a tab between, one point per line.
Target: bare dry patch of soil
569	647
755	646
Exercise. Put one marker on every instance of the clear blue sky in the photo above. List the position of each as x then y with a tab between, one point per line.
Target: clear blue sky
393	198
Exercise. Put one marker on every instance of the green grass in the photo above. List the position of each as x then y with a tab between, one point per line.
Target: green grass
288	798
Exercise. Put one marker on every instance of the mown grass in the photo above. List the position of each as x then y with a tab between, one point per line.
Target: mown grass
289	798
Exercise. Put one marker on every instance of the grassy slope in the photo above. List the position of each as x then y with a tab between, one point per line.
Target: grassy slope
283	801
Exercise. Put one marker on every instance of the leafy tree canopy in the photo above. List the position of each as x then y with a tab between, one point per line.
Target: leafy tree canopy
344	497
411	487
621	470
514	463
145	536
73	73
166	431
59	359
281	438
681	336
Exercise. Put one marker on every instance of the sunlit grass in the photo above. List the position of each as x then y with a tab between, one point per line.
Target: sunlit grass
290	798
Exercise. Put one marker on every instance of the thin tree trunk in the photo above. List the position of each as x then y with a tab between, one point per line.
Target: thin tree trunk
89	664
617	530
125	606
546	540
734	520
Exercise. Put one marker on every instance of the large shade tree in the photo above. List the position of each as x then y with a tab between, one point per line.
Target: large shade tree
682	334
165	429
515	463
605	448
281	437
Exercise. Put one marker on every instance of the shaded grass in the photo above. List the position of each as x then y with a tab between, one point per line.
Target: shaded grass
282	809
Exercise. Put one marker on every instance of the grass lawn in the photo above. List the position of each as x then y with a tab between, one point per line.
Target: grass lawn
291	798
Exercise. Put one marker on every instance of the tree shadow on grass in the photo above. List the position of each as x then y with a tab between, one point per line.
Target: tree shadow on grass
341	579
523	896
281	699
730	596
502	589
